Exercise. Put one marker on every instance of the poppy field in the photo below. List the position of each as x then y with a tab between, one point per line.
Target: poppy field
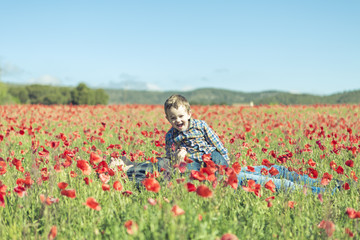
56	181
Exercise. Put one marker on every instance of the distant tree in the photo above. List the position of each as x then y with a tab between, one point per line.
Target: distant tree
3	92
20	93
82	95
101	97
5	97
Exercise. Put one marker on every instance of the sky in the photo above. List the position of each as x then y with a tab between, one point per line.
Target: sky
250	46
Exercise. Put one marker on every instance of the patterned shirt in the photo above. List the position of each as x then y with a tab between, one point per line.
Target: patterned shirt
199	139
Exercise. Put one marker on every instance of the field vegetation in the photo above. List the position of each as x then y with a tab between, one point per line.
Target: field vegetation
55	180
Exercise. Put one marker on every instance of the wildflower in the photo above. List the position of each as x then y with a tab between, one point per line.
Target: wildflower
151	184
92	203
204	191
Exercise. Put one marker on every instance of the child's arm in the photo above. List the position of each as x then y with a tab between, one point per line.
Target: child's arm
213	139
175	153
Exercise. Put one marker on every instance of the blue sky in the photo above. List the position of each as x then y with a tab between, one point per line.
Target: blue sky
297	46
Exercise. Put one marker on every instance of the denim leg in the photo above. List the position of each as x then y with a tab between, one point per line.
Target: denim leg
218	159
262	180
284	173
195	165
285	179
295	177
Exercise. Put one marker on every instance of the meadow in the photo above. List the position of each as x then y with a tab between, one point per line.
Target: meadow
55	181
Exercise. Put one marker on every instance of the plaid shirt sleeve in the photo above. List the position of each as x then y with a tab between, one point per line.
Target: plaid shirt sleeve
169	143
212	138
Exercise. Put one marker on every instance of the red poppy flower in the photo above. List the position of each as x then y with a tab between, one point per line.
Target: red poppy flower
117	186
229	236
273	171
346	186
52	233
320	197
349	232
264	172
349	163
104	178
127	193
328	226
2	201
62	185
182	167
152	201
151	184
48	200
333	165
87	180
20	190
177	210
233	181
311	162
353	176
325	180
92	203
237	167
204	191
187	159
250	169
270	185
94	158
68	193
190	187
197	175
253	187
312	173
84	167
352	213
131	227
268	199
105	187
267	163
291	204
73	174
340	170
54	144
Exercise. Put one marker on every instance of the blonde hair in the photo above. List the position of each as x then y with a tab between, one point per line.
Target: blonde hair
176	101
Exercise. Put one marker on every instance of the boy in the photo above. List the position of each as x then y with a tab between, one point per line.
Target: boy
193	138
190	137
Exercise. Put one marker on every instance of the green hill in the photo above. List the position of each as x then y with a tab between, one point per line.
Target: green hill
44	94
208	96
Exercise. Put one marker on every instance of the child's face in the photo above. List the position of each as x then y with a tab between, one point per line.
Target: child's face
178	118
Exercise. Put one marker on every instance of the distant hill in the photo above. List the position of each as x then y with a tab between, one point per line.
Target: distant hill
210	96
44	94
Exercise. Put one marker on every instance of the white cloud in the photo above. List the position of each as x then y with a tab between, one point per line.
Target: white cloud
187	88
131	82
45	80
152	87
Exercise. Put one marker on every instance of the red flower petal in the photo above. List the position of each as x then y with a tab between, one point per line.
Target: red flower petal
92	203
151	184
204	191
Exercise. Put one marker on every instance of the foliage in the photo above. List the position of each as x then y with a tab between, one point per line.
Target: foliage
49	95
52	175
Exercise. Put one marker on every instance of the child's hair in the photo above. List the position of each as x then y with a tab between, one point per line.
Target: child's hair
176	101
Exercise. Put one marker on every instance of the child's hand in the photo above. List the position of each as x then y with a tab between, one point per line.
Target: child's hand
180	154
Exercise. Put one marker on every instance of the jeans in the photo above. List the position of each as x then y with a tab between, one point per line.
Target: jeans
285	179
216	157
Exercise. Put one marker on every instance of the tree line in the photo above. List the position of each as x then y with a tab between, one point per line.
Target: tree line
48	95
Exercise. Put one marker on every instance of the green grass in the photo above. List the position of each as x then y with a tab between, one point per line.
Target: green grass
228	211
